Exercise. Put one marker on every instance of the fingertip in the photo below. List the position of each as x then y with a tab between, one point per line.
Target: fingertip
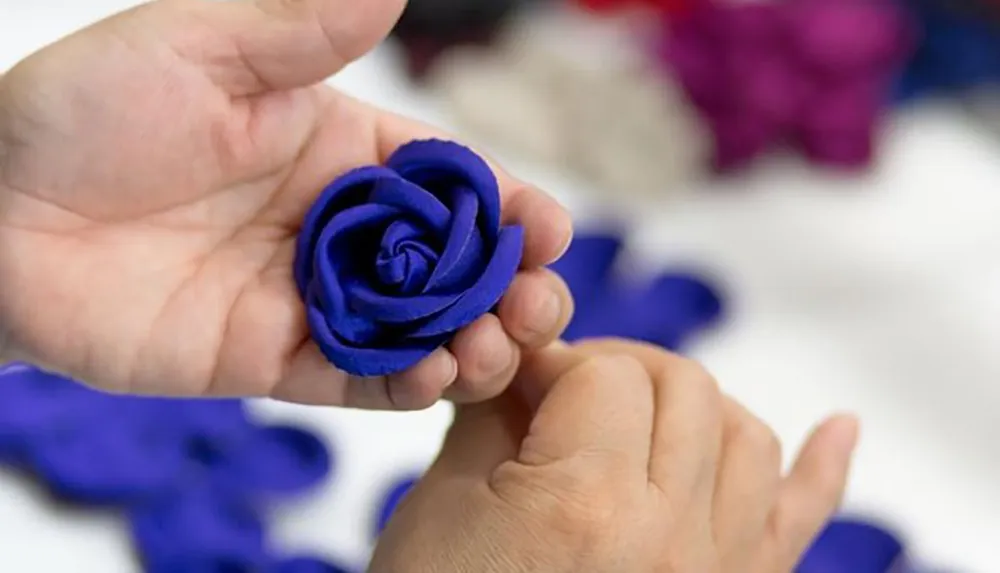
548	227
814	488
487	360
837	436
311	379
421	386
823	463
482	349
536	308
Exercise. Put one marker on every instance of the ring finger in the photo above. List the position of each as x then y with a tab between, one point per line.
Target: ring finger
746	487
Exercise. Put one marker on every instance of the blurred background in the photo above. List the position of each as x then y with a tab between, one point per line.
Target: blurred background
826	171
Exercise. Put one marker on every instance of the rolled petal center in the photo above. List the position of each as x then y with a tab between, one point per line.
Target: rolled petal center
404	262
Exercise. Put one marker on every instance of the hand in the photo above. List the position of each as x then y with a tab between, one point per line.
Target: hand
154	170
623	459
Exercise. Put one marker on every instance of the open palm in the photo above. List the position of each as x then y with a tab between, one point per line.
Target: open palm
155	169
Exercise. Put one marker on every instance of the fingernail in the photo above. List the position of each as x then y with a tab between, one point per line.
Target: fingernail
451	369
545	314
565	247
558	344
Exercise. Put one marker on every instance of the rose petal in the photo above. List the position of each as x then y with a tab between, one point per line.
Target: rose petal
347	190
413	201
489	286
361	361
399	231
333	260
460	260
392	269
365	300
486	292
409	268
435	164
405	260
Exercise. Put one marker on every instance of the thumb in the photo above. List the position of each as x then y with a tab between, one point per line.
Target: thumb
483	436
252	46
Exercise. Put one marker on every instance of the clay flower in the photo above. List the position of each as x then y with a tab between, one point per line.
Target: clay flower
814	74
958	52
664	6
393	260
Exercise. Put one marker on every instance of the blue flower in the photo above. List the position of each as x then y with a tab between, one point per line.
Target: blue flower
393	260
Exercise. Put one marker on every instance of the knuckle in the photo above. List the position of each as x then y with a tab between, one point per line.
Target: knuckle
411	395
695	376
754	433
593	370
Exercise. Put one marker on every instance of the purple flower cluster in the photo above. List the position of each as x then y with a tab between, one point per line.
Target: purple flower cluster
813	74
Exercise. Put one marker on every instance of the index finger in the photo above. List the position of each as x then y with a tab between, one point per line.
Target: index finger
548	228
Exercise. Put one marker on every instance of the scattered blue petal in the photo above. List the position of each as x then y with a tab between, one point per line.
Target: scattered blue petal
391	501
665	310
307	565
852	546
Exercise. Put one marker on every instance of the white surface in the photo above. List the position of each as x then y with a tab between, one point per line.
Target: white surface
880	296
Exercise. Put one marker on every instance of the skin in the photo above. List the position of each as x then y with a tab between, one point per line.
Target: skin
611	457
154	170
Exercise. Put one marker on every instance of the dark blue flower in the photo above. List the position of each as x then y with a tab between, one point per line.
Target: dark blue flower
393	260
958	50
854	546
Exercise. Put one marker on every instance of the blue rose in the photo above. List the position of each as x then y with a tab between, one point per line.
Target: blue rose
393	260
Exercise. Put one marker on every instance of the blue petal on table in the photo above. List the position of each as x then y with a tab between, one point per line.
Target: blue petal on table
307	565
107	462
391	500
205	417
673	307
196	528
33	404
275	460
587	264
665	311
853	546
